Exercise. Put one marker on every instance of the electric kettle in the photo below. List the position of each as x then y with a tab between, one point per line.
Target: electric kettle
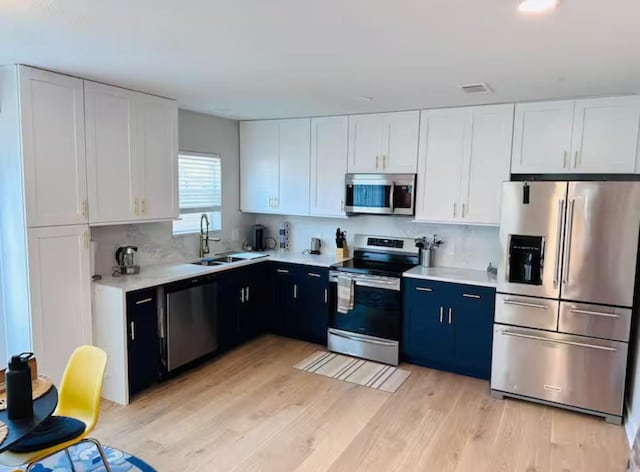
125	258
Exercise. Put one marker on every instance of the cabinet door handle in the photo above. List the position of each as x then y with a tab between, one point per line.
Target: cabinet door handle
575	160
377	159
454	209
242	295
342	206
424	289
564	159
470	295
450	314
135	207
441	313
384	162
464	208
246	294
144	300
313	274
283	271
277	204
326	296
132	327
295	291
85	237
85	206
144	206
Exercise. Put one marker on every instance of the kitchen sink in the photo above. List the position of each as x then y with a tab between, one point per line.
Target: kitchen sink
216	261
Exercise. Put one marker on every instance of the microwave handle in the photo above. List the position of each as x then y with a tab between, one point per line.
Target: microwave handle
392	190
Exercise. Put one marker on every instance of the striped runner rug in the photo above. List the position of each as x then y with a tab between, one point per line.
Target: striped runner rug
358	371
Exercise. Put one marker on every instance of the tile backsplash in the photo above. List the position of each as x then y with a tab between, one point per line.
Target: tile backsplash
470	247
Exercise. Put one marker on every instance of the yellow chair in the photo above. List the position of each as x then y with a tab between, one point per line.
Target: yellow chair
79	398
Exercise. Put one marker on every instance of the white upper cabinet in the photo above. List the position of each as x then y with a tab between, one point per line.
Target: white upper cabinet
605	135
157	157
329	143
400	142
259	165
383	143
53	148
542	137
295	148
443	149
487	164
60	304
132	155
110	126
587	136
463	160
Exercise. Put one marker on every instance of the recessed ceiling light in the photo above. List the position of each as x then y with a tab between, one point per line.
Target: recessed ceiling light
533	7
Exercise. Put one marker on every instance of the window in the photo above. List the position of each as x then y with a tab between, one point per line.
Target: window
199	191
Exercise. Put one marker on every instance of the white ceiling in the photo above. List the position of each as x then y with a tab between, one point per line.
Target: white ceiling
280	58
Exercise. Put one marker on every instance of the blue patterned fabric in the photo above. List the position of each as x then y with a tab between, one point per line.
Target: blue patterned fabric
87	459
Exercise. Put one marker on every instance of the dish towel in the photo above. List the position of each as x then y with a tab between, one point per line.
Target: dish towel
345	294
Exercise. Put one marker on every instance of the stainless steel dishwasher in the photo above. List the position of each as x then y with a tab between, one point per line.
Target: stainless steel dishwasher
188	321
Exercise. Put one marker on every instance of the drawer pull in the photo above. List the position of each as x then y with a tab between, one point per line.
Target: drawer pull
441	313
450	314
594	313
507	301
313	274
424	289
470	295
283	271
144	300
559	341
133	330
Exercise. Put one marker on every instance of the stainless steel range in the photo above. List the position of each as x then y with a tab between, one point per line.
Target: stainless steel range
565	293
366	318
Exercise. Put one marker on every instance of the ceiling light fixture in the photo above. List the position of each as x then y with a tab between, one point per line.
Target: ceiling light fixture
536	7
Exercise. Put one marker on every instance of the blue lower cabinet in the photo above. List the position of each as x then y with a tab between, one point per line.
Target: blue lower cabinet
448	326
143	345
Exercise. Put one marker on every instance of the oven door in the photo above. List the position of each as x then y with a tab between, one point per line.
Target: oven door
376	311
369	194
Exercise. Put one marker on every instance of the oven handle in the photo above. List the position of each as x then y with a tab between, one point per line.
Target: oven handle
392	284
355	337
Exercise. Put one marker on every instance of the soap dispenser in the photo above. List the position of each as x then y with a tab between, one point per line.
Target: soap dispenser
19	394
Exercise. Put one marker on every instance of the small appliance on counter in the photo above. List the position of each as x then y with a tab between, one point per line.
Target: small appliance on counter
316	243
257	237
125	258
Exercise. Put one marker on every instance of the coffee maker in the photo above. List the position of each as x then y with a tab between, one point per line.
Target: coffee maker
257	237
125	257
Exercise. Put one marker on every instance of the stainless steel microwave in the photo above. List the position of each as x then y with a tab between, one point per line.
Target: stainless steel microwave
380	194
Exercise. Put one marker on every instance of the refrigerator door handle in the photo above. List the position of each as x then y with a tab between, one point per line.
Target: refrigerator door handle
556	268
567	249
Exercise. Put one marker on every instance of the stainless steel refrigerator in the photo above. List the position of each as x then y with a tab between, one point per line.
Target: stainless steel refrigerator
565	293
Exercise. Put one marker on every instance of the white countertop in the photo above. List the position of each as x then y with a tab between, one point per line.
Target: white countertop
451	274
160	274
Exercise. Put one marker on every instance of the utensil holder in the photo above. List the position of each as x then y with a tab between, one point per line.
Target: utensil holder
425	257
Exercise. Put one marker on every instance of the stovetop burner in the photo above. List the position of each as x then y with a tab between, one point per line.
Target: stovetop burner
388	269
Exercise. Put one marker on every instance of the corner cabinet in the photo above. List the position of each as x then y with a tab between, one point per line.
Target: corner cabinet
599	136
53	148
274	166
329	145
132	155
463	160
448	326
383	143
60	284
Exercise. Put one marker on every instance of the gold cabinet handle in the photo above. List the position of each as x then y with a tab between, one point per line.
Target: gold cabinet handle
575	160
85	207
384	162
144	206
377	158
86	239
564	159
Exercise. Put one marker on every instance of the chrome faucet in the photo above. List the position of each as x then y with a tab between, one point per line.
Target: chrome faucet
204	235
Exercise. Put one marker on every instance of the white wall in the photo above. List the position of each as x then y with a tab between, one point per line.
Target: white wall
156	244
471	247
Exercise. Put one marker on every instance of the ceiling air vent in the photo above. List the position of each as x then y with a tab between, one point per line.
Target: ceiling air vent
475	88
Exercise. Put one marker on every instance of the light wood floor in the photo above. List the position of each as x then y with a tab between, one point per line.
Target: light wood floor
250	410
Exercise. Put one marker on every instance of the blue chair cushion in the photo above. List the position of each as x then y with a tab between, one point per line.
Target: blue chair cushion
54	430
